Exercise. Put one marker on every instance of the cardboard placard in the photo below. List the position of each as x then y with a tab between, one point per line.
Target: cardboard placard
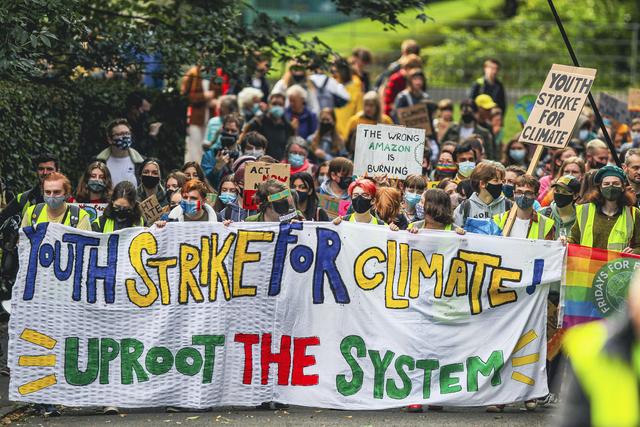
615	109
151	209
95	210
558	106
393	151
329	204
258	172
634	100
416	116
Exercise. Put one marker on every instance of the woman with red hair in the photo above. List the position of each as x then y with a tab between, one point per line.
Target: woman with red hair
363	194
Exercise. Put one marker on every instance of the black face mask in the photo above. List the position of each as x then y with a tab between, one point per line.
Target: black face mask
562	200
122	214
360	204
281	207
494	189
168	194
597	165
325	127
302	196
299	78
344	182
228	139
468	118
150	181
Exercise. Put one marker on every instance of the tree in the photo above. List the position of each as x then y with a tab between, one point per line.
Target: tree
55	38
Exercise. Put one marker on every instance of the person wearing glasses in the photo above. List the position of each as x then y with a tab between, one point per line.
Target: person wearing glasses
528	223
121	159
609	218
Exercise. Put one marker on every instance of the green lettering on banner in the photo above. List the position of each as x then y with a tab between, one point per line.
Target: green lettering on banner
156	367
449	384
475	365
428	366
380	368
184	367
393	391
344	386
72	373
210	342
130	351
109	349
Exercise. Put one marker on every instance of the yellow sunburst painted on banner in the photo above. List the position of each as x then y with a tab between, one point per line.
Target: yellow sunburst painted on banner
46	360
527	359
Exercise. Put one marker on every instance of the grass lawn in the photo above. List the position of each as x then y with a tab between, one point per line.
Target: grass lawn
364	32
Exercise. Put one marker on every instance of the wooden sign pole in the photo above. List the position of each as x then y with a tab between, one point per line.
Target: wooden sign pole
532	167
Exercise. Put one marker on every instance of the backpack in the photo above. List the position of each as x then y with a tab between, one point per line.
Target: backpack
326	99
72	210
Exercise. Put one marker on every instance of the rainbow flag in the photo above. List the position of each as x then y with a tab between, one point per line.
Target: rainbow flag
596	283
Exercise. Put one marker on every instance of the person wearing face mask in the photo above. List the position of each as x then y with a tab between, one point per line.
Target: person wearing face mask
325	142
123	210
437	213
634	134
253	144
227	105
297	152
528	224
56	189
192	207
388	207
371	114
584	131
227	199
173	184
250	102
303	120
275	203
150	176
217	161
273	126
512	173
321	175
487	199
307	198
597	154
298	74
340	177
95	185
121	159
362	193
515	153
414	186
465	159
562	210
608	219
468	126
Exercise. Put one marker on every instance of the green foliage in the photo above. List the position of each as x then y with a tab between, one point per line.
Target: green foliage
68	121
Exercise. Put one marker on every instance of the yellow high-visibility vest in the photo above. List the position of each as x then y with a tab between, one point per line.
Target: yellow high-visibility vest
621	232
537	229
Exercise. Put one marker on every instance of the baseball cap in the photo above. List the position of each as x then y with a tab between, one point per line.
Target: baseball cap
569	183
485	101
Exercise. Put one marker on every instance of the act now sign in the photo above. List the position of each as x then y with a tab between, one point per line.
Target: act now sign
348	316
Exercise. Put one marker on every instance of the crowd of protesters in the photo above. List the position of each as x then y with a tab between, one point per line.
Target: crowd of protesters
472	173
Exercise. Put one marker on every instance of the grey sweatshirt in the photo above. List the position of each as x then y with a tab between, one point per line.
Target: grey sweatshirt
478	209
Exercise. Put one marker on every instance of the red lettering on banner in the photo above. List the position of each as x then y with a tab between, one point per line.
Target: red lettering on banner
283	359
248	340
302	360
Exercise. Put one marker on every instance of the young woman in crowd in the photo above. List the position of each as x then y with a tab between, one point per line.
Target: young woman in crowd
351	82
362	193
562	210
321	175
174	182
275	204
326	143
307	198
388	207
150	178
193	170
253	144
297	155
228	195
515	153
608	219
95	185
123	210
340	171
487	199
437	213
193	206
557	158
451	188
414	186
371	114
415	91
573	166
446	167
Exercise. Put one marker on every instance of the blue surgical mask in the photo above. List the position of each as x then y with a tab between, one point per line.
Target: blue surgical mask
54	202
322	179
507	190
518	154
583	134
296	160
256	108
190	208
412	198
255	153
276	111
123	142
227	197
465	168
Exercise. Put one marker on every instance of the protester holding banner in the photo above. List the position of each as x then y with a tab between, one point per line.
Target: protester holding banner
487	199
340	171
388	207
362	193
123	210
193	206
307	198
609	218
437	213
562	210
528	223
95	185
414	186
275	204
56	189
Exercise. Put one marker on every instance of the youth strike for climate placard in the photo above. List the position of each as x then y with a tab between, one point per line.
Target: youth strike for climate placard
348	316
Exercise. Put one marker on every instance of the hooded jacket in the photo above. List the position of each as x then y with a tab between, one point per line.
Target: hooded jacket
474	207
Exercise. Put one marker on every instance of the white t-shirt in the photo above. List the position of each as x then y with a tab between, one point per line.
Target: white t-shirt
520	228
465	132
122	169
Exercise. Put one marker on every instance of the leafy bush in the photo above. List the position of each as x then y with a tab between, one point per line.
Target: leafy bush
68	120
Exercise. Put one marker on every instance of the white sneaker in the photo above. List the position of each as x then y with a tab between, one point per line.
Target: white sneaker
531	405
110	410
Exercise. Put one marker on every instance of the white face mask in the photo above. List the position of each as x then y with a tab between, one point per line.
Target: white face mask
255	153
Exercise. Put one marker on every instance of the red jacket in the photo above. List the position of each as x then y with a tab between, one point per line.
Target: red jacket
397	83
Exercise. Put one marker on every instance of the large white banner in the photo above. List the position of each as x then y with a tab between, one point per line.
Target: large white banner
349	316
